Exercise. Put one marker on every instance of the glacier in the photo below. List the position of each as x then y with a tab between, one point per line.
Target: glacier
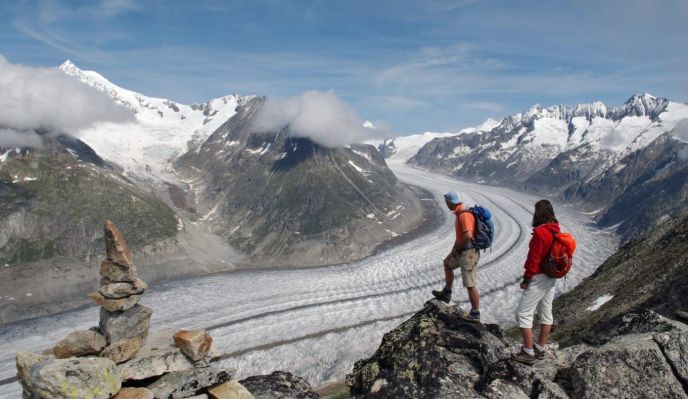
316	322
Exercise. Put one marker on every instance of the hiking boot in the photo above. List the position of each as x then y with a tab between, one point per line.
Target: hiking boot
538	353
471	316
525	358
442	295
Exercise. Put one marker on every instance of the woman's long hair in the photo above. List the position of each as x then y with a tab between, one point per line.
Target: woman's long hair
544	213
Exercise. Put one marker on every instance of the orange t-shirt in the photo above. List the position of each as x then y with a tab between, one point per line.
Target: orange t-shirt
465	221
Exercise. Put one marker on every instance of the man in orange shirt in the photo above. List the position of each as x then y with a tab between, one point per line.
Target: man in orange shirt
463	255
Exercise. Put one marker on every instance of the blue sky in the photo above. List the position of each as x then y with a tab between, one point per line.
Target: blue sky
416	65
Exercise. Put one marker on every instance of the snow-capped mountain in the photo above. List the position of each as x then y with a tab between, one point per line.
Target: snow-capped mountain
402	148
581	153
164	129
289	201
220	176
525	143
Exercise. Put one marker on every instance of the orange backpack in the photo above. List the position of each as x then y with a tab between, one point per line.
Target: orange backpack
560	258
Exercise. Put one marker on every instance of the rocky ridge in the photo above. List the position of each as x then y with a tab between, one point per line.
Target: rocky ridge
436	354
119	359
649	272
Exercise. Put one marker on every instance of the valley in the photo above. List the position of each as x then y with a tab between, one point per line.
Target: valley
332	316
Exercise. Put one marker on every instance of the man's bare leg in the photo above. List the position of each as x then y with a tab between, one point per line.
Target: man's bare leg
448	277
474	297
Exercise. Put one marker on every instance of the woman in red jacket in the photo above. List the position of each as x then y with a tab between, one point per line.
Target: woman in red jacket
538	288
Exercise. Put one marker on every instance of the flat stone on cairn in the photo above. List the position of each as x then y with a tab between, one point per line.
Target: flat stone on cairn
79	343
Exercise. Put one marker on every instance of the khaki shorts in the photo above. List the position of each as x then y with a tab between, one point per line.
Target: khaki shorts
467	260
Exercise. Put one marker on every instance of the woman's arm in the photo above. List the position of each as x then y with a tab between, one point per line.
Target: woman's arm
536	252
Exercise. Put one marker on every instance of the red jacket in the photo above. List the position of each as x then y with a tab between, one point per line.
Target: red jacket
539	246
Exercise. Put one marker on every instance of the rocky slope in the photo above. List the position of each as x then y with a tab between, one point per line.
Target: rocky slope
435	354
289	201
650	272
600	158
52	203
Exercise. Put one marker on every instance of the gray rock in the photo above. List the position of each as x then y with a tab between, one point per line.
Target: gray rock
122	351
546	389
114	305
121	325
675	349
85	377
25	361
80	343
628	367
500	389
112	272
640	322
182	384
279	384
123	290
522	375
434	353
157	357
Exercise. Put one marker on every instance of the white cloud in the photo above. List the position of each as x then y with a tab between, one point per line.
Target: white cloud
319	116
46	99
11	138
680	131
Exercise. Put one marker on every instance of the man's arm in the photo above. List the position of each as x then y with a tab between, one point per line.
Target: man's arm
462	243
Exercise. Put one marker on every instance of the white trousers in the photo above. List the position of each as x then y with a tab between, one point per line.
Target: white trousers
539	295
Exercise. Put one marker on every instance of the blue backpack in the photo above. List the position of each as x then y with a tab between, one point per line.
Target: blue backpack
484	228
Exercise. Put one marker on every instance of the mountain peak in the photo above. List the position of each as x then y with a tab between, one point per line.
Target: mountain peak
68	66
641	97
644	104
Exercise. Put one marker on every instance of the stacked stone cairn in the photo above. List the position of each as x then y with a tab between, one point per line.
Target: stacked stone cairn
119	358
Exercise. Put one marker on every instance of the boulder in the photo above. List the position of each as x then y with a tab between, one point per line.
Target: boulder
545	389
629	366
675	349
157	357
229	390
436	351
84	377
182	384
25	361
80	343
500	389
639	322
122	351
114	305
112	272
123	290
122	325
279	384
195	344
134	393
522	375
115	247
